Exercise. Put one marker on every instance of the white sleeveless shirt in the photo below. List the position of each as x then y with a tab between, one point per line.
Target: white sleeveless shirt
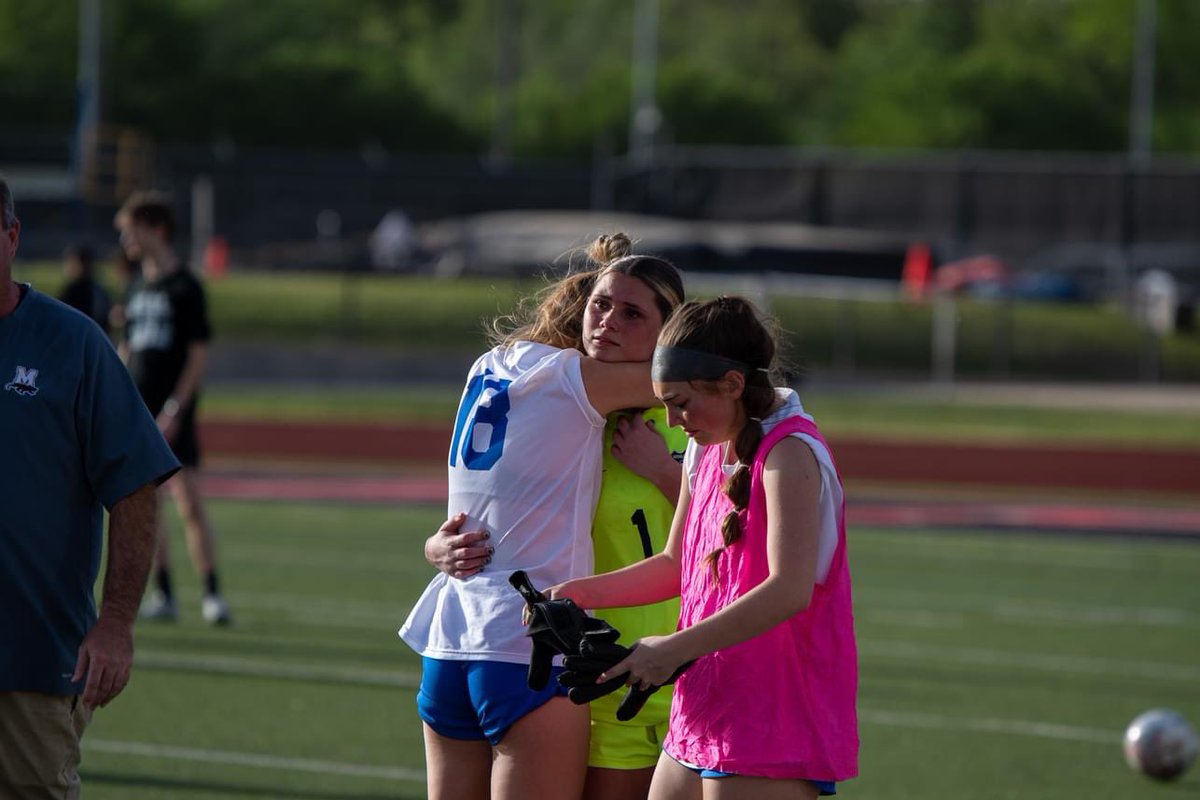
831	495
524	464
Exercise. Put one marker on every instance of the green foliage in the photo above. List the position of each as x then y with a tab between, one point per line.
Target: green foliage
553	77
708	108
38	87
288	73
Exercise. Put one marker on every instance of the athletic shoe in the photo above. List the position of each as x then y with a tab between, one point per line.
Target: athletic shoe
215	610
158	607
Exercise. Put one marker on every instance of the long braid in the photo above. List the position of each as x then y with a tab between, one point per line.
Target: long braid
757	398
729	327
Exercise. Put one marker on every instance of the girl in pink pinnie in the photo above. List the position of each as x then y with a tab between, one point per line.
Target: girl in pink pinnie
757	553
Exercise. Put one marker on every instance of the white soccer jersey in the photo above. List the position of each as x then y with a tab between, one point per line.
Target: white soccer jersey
524	465
831	488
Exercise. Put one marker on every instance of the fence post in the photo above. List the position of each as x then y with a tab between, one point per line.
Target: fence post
1002	335
202	218
945	325
845	357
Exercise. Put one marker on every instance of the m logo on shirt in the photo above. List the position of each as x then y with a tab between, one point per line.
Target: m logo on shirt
24	382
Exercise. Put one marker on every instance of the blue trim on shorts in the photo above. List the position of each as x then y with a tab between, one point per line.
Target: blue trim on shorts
824	787
479	699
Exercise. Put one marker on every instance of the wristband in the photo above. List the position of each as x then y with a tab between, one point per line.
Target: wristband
170	407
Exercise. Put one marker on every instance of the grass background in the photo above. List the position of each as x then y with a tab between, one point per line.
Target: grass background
419	314
992	665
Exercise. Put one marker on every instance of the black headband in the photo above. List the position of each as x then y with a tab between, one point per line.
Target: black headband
681	364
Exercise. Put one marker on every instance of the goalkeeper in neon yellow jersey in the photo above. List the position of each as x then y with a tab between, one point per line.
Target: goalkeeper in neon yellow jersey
632	521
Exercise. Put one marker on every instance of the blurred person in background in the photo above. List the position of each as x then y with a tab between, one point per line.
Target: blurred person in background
83	292
393	244
525	466
77	439
638	489
125	270
165	348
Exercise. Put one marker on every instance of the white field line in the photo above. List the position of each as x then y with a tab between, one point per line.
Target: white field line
894	650
1142	617
1017	727
229	758
933	620
382	614
1012	609
325	561
895	719
266	668
989	552
1030	614
1104	554
307	610
303	610
1038	662
332	619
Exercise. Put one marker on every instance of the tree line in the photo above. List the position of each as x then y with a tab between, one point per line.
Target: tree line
553	77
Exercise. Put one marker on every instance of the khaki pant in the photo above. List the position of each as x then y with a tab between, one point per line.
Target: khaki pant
39	745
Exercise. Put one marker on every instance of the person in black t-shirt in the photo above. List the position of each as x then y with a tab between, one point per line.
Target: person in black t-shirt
166	350
83	292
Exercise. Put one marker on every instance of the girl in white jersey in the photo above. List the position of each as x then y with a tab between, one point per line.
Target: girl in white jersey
524	465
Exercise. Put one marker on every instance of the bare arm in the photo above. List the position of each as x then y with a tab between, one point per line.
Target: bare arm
792	482
190	378
458	553
106	654
192	374
647	581
614	386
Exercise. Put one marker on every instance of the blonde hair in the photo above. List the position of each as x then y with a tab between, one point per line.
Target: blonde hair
554	315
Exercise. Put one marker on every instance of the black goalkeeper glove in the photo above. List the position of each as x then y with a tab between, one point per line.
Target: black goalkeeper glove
555	627
597	654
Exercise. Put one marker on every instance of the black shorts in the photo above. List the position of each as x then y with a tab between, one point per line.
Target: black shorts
185	445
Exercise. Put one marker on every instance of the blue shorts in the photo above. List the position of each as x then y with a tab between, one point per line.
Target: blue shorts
479	699
823	787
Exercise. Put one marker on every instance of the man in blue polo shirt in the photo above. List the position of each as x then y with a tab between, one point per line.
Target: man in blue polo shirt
75	438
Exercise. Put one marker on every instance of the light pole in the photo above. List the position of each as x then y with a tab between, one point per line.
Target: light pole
87	91
1141	99
644	116
1141	134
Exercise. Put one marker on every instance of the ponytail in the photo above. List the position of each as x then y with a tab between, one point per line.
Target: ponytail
757	399
734	336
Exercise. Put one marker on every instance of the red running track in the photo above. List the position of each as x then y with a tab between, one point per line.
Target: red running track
1108	469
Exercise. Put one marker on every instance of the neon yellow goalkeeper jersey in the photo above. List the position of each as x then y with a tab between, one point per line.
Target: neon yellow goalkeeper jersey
633	519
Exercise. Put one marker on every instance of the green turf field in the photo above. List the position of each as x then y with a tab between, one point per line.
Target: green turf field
993	665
